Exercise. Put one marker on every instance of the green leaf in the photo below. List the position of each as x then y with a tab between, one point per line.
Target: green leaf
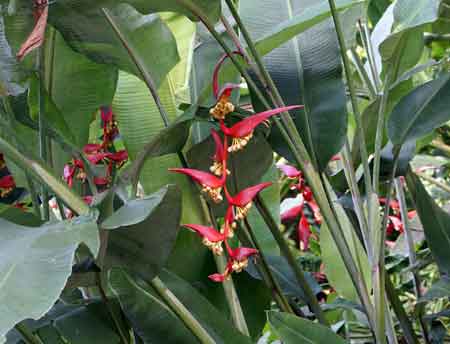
285	277
334	265
435	222
143	232
90	33
215	323
36	263
293	330
89	324
402	49
12	74
294	24
140	122
91	85
311	74
421	111
152	320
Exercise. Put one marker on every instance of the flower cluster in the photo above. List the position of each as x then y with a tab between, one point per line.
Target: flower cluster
98	154
395	223
296	213
213	183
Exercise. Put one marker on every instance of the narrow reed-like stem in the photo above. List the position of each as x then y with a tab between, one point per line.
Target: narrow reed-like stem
411	253
298	272
181	311
27	335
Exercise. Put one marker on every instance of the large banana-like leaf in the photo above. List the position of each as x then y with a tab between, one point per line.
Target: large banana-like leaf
35	264
140	121
307	70
91	33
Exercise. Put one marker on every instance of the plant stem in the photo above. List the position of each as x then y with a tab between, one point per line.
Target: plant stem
237	314
292	137
27	335
434	181
298	272
368	47
442	146
354	102
182	312
399	311
230	291
39	172
273	284
41	130
362	73
111	311
411	253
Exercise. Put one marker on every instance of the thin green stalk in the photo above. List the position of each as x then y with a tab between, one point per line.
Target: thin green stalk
292	137
273	284
434	181
380	131
298	272
26	334
354	102
363	74
411	253
40	173
237	314
400	312
368	47
112	312
43	144
350	175
181	311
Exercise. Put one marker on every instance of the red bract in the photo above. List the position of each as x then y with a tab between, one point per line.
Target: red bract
304	232
7	182
216	73
118	157
242	132
243	200
211	237
290	171
237	261
36	37
101	181
292	213
97	157
210	183
92	148
220	155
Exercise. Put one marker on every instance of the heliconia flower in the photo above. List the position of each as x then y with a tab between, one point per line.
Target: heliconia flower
118	157
230	225
219	156
216	71
92	148
211	237
88	199
101	181
210	184
37	36
95	158
290	171
223	106
7	185
292	213
243	200
242	132
237	261
304	233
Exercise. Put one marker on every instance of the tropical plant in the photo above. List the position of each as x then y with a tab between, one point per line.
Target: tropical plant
296	152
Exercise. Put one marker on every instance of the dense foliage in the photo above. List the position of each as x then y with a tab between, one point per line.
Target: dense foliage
295	152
